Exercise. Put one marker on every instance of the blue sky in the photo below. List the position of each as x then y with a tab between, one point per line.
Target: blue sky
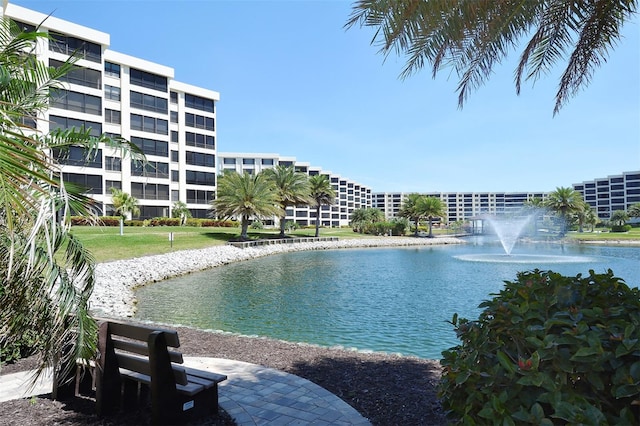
293	81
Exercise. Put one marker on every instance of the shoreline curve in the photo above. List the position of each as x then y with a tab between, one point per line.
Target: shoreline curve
113	294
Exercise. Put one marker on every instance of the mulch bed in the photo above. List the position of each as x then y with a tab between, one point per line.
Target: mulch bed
387	389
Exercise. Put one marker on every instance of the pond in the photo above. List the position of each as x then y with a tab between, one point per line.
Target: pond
395	300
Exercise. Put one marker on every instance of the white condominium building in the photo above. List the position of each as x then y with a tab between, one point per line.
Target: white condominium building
606	195
110	92
461	206
350	195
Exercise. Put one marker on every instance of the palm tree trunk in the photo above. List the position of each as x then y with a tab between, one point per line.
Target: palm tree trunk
283	221
318	221
245	228
417	222
430	228
121	225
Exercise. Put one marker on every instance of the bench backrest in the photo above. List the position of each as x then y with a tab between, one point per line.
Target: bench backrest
139	348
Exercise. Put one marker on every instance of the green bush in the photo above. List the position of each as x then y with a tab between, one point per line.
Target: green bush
548	350
25	346
257	224
621	228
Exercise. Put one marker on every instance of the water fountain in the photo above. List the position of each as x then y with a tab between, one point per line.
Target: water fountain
509	230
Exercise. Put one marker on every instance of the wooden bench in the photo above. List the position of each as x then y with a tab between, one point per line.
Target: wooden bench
135	364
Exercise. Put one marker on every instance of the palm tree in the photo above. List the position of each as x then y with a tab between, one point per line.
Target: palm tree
246	195
432	208
292	189
591	218
322	194
124	204
473	37
619	217
634	210
581	215
363	218
180	209
412	209
564	201
47	276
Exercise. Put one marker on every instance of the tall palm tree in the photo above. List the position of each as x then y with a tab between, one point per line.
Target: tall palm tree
432	208
124	204
473	36
634	210
246	195
292	189
591	218
322	194
47	276
411	209
564	201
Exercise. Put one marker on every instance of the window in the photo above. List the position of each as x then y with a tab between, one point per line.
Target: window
112	184
174	136
196	196
200	178
150	169
77	156
248	161
199	121
175	156
78	75
151	146
113	163
175	176
149	124
93	183
148	212
111	92
148	102
173	97
229	161
267	161
112	70
149	191
74	46
200	141
200	159
148	80
196	102
175	195
174	116
75	101
56	122
111	116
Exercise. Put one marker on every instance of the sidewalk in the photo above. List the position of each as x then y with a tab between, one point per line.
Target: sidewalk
252	395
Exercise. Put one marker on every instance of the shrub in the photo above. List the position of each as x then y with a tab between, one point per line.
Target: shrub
546	350
23	347
257	224
621	228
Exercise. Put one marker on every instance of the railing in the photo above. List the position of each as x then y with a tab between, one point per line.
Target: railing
268	242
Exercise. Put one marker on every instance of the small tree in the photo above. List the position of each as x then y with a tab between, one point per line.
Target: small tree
180	210
291	189
124	204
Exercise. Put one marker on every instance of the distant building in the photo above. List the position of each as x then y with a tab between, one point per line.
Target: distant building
606	195
461	206
350	195
174	123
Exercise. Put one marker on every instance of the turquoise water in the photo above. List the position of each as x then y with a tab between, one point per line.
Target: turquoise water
394	300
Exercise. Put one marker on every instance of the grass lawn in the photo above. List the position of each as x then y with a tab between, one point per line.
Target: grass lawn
106	243
633	234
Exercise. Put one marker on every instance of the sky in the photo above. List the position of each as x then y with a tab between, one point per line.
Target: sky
293	81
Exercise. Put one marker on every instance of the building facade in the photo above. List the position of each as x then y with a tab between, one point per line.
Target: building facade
350	195
611	193
173	123
461	206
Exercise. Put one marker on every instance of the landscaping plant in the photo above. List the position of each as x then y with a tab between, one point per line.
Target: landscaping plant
548	350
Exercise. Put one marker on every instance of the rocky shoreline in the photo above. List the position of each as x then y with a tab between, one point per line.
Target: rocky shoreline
116	281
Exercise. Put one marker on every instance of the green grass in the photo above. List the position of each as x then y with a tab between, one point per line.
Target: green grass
106	243
633	234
